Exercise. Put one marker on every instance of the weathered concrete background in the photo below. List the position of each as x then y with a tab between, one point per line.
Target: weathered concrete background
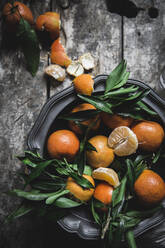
87	26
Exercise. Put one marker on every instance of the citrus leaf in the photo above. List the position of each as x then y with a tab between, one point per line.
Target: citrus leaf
38	170
32	196
56	195
30	45
131	239
80	115
99	104
20	211
64	202
115	76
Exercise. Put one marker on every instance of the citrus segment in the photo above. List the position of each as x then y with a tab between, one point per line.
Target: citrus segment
123	141
106	174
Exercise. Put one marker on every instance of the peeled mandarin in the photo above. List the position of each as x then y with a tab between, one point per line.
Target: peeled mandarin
123	141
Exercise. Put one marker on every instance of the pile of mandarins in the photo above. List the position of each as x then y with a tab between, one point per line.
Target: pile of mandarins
126	136
49	23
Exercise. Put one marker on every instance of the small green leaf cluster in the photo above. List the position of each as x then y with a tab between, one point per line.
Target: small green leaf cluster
47	180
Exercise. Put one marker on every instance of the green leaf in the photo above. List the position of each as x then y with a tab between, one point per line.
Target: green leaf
130	174
145	108
121	91
32	196
90	147
115	76
96	216
64	202
21	211
143	214
119	193
30	45
80	115
131	239
87	169
99	104
56	195
82	181
38	170
123	81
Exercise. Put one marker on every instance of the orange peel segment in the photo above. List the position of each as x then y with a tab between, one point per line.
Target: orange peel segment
56	71
58	55
106	174
87	61
123	141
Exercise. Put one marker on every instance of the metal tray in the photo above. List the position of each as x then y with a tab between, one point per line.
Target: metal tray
79	220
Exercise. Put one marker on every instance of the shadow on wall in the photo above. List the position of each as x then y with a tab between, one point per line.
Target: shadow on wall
129	9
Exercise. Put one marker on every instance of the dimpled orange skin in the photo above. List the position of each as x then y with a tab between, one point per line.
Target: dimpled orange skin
13	16
81	107
103	192
150	135
84	84
58	55
104	155
149	188
113	121
50	22
77	191
63	144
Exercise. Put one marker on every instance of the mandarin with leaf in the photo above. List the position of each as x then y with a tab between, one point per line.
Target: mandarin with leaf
82	107
80	193
13	12
103	156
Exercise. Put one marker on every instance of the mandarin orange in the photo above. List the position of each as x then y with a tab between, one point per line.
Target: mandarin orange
84	84
150	135
114	120
50	22
103	192
63	144
104	155
82	107
77	191
13	12
149	188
